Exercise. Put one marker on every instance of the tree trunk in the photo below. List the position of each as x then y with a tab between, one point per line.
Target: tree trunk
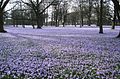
114	18
64	20
13	23
81	13
89	13
38	25
16	23
56	20
101	17
23	24
38	18
89	21
1	22
98	20
82	20
117	9
98	15
42	20
75	24
63	24
56	15
33	24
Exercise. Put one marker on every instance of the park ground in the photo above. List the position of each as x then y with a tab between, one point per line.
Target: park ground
69	52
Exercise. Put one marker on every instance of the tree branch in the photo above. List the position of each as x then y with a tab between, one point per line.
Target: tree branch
12	8
47	7
31	5
1	3
4	4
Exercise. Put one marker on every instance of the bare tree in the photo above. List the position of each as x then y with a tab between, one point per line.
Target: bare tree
114	19
80	3
3	4
57	12
97	11
39	7
89	13
64	11
101	17
117	9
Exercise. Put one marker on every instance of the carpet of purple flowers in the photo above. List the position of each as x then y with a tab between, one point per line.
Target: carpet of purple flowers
60	53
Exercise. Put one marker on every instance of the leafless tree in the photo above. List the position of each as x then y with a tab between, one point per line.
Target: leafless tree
39	7
117	9
3	4
101	17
